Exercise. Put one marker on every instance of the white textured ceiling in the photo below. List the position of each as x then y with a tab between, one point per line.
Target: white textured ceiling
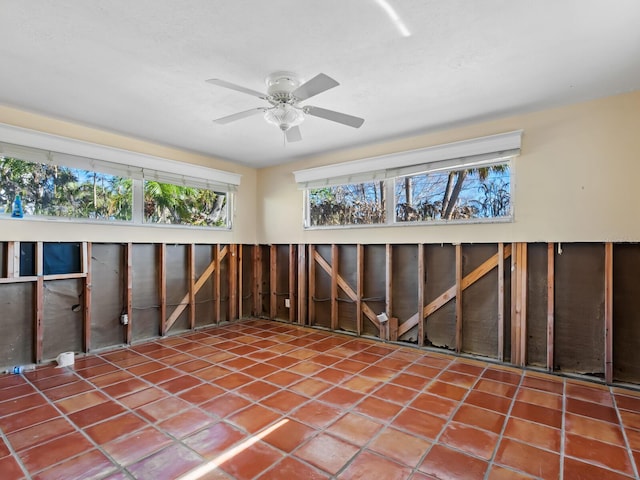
139	67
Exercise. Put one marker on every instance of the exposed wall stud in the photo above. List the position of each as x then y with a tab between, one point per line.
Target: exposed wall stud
501	302
257	280
608	312
334	286
240	289
302	284
550	304
233	281
217	289
458	298
312	284
162	287
273	281
129	292
421	281
38	318
384	332
86	295
191	272
292	283
359	286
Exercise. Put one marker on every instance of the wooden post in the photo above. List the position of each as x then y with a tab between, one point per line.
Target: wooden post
86	294
608	312
523	303
334	287
312	285
359	286
233	282
240	289
13	259
129	291
302	284
292	283
421	279
550	305
384	332
38	337
216	283
458	298
501	301
257	280
191	271
162	287
273	281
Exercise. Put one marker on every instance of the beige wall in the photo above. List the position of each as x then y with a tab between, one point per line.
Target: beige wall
577	179
244	218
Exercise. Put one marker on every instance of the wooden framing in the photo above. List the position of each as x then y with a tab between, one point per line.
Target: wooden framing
273	280
313	255
458	298
191	274
501	302
129	292
292	283
302	285
86	295
240	285
608	312
302	263
162	287
233	281
550	304
388	295
334	287
257	280
359	286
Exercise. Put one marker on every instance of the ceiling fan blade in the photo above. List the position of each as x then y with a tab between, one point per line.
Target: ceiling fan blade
316	85
293	134
350	120
239	115
238	88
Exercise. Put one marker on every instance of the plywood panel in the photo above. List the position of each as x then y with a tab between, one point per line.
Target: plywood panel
440	328
480	303
204	254
579	314
145	318
62	320
107	295
626	314
16	341
537	304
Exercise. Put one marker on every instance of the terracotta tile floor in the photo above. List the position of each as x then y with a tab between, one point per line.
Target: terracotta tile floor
265	400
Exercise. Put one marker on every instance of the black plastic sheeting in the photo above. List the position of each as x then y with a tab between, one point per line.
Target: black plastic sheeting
537	304
626	314
440	273
145	317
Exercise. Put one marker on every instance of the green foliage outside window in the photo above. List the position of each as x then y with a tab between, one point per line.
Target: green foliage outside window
64	192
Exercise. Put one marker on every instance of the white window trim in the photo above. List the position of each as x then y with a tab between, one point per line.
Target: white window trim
482	151
476	151
48	148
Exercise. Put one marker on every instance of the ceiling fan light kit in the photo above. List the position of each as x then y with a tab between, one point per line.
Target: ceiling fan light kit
285	93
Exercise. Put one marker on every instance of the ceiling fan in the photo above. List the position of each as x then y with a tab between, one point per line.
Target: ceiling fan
284	94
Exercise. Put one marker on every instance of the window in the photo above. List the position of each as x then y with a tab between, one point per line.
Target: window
60	191
352	204
175	204
460	194
466	181
97	183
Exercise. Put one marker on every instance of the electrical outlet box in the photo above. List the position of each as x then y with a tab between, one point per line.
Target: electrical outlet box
124	319
287	303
